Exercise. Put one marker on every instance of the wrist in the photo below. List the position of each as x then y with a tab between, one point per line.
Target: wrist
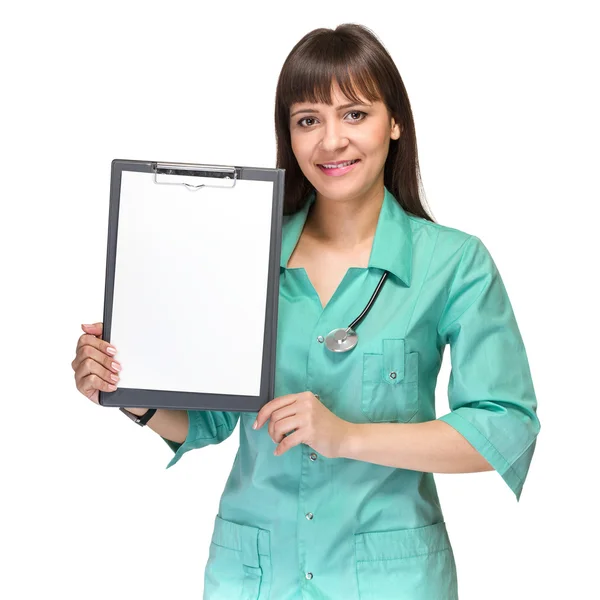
137	411
349	440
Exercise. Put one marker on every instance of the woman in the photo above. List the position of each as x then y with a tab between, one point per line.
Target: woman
332	495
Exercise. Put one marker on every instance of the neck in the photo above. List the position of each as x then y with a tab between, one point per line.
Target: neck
345	223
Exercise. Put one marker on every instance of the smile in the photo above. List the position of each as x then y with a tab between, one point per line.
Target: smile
336	169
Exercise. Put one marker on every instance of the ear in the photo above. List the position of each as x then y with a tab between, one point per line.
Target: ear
395	132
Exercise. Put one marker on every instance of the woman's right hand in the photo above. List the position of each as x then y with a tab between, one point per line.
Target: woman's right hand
93	363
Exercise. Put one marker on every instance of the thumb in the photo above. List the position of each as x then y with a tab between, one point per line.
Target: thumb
94	328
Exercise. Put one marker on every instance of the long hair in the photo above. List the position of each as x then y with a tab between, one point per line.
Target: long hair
351	55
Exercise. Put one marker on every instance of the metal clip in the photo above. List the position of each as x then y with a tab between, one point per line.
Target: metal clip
187	171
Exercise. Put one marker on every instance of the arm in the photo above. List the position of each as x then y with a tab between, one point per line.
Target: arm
185	430
171	425
490	390
433	447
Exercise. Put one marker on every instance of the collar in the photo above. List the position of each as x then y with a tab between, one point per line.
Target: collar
392	244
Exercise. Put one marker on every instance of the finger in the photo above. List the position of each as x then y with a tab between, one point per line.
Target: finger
288	410
285	427
95	329
288	442
90	352
96	342
265	412
91	376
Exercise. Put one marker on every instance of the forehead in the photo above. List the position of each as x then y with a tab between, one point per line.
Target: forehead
336	96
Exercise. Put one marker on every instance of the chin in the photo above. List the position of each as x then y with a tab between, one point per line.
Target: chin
340	191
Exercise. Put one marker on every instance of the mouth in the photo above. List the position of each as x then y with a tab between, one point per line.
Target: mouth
338	167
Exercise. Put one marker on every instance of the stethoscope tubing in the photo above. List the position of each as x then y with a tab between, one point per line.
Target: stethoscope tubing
367	308
342	340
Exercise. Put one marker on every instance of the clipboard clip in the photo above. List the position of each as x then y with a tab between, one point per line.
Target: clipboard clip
187	174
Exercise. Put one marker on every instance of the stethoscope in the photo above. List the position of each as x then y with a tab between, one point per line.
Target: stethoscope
345	338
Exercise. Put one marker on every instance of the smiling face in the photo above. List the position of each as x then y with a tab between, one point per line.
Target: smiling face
323	135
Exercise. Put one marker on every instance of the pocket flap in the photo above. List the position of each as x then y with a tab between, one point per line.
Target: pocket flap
401	543
250	541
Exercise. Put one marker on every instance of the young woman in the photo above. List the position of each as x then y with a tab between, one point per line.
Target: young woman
332	495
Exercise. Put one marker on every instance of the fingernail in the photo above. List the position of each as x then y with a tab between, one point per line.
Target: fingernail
116	366
255	424
114	377
112	351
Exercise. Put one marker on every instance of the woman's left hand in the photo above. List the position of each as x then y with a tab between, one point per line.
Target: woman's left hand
314	424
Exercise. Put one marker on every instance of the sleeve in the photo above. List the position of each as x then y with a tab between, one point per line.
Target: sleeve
490	389
205	427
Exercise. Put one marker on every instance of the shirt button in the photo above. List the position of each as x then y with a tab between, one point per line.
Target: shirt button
320	339
309	516
313	456
309	576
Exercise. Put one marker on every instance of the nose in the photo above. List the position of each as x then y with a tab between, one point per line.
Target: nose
334	136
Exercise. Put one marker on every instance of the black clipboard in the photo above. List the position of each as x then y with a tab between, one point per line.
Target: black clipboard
192	284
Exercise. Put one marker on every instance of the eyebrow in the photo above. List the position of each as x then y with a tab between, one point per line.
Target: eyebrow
340	107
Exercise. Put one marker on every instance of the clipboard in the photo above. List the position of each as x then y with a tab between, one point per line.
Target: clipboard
192	284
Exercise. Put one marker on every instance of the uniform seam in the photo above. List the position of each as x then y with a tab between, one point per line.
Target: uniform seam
463	246
416	302
523	452
356	561
485	437
369	560
426	223
511	467
236	549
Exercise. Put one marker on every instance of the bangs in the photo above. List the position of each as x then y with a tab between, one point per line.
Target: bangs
311	78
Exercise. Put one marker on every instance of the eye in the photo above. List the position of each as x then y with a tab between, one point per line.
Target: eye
358	112
305	119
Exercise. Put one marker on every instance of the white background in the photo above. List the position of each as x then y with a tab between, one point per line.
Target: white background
505	100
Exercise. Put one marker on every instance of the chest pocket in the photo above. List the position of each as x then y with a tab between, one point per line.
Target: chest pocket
390	385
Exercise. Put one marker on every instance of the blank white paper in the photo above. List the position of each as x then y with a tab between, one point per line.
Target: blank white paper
190	286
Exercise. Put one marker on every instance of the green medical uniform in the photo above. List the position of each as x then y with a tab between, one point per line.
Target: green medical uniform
303	526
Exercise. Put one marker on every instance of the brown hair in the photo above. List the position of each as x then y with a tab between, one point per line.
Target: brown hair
351	55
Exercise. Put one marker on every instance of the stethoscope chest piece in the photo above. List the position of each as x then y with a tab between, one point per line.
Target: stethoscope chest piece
345	338
341	340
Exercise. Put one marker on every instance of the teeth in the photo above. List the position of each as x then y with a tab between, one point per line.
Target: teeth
345	164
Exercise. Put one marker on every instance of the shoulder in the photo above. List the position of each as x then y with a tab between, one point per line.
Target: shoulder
449	250
446	240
